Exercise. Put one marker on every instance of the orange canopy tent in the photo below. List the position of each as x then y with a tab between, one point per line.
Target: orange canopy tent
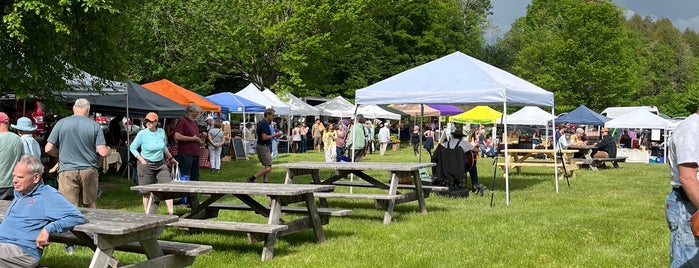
181	95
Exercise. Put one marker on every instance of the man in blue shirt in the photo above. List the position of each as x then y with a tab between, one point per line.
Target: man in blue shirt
36	211
264	144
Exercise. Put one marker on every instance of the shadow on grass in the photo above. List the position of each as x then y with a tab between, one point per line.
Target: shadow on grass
238	241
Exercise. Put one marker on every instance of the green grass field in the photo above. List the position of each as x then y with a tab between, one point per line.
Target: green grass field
608	218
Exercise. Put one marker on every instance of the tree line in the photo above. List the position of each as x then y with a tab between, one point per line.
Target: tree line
586	52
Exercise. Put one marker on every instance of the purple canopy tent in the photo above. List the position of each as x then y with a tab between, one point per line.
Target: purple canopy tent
445	109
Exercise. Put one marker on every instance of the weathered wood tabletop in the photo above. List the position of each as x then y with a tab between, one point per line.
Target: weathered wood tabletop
278	195
108	229
344	169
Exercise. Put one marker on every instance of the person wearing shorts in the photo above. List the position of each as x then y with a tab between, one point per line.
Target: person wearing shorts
78	140
152	160
264	144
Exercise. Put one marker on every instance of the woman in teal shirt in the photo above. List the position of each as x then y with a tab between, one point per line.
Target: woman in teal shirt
152	159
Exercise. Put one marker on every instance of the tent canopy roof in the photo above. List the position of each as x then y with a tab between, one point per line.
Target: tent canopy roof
455	78
299	107
373	111
614	112
140	102
337	107
529	115
181	95
235	103
640	118
477	115
583	116
252	93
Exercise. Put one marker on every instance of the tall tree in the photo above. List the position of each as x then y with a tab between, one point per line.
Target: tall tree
304	47
579	50
44	43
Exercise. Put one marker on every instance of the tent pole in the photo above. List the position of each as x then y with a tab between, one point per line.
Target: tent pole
507	156
128	135
555	148
422	121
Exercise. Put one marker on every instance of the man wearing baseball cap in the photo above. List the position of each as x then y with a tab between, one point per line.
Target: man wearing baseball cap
607	145
10	152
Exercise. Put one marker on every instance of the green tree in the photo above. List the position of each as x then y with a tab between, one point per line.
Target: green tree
580	50
44	43
305	47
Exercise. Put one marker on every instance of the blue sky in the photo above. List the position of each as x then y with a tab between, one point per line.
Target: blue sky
683	13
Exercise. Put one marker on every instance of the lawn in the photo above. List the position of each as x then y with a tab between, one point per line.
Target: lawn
609	218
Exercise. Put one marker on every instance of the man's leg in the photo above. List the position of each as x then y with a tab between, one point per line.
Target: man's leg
12	256
89	179
68	186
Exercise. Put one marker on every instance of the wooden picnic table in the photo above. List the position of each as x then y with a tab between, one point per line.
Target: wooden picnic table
523	158
107	230
278	195
594	163
387	200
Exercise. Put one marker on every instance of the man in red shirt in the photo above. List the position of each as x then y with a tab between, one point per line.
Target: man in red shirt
188	138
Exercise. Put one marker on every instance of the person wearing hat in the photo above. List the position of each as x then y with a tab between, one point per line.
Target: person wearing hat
25	127
10	152
564	139
209	123
607	145
152	159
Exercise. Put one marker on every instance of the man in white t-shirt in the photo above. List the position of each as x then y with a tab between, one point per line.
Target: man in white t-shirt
683	200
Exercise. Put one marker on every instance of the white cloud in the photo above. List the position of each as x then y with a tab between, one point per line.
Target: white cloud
683	24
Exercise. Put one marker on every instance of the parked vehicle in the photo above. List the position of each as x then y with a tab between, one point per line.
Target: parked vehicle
31	108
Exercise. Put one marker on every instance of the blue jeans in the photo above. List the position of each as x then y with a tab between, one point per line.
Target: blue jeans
304	142
189	165
683	244
473	173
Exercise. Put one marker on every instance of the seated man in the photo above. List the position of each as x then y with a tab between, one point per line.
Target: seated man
36	211
607	146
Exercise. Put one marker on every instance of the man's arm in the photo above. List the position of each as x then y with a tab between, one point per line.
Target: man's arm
180	137
51	149
688	179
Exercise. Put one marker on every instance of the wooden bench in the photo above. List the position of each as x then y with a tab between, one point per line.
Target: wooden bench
299	210
177	254
269	231
427	189
569	167
600	162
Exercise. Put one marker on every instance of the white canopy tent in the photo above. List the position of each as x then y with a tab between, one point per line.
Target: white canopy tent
337	107
299	107
529	115
252	93
373	111
641	118
459	79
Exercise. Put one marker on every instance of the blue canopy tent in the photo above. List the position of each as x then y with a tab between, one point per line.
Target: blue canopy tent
236	104
583	116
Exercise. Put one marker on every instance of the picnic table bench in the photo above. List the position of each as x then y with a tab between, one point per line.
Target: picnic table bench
523	158
279	195
594	163
108	230
387	200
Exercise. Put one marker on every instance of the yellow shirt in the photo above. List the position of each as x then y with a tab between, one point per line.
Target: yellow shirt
329	138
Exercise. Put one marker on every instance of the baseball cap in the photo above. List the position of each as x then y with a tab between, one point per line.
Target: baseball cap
209	118
153	117
4	119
